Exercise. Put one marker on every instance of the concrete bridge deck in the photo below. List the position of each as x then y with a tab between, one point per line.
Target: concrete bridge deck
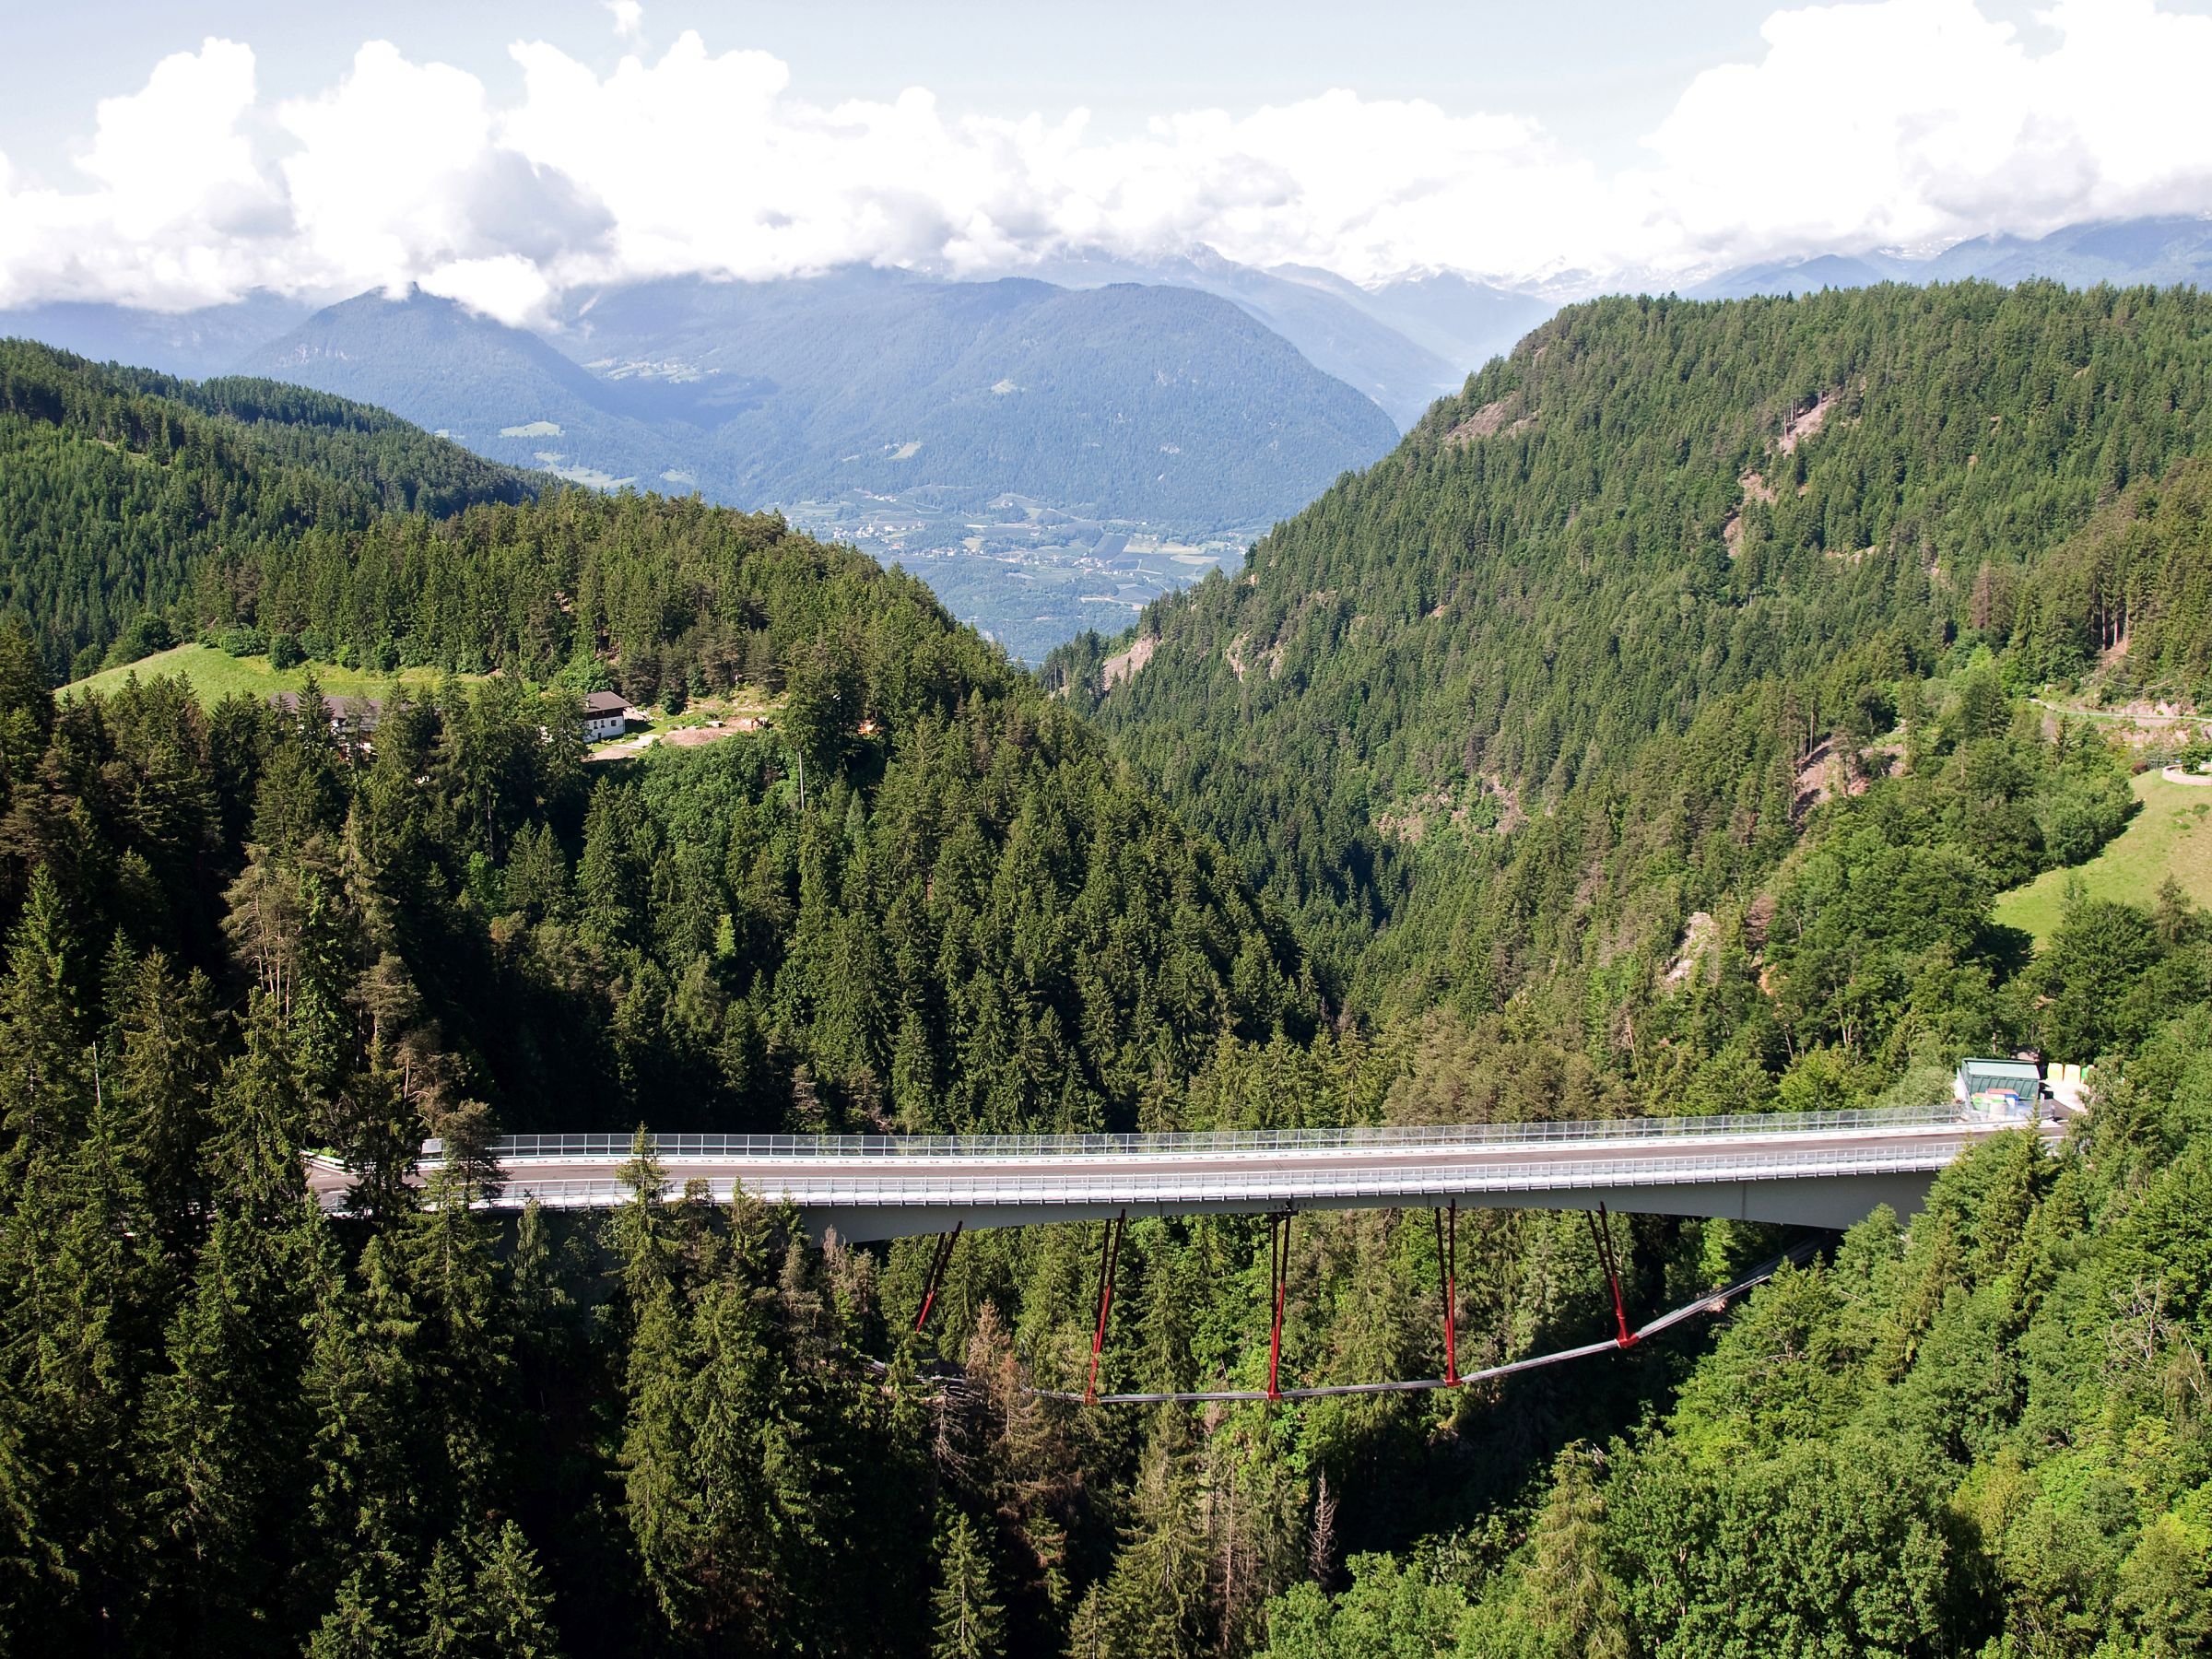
1808	1169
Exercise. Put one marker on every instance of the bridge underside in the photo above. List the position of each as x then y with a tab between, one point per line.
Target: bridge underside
1828	1201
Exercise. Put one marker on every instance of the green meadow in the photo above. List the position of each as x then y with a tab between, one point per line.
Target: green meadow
2172	835
215	675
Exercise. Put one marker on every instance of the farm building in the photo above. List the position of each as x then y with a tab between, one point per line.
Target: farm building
353	720
606	715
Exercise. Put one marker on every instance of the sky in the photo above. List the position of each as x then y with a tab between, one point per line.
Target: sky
176	153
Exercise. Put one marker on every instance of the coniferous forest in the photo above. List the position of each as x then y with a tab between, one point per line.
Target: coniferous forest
1652	733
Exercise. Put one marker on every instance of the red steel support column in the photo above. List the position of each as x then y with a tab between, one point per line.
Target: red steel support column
1279	1261
1447	1266
1109	1251
937	1264
1627	1338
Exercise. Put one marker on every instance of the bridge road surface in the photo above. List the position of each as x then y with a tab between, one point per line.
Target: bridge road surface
1824	1170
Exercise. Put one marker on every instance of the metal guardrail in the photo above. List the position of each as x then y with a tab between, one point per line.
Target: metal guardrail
1202	1144
821	1191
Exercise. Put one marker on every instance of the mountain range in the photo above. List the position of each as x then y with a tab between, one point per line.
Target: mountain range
1010	439
1051	448
1154	404
210	340
2161	251
1405	343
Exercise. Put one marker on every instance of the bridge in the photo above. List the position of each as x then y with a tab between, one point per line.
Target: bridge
1824	1169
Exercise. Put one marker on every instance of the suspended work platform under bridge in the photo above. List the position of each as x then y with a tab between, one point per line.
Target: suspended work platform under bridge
1827	1169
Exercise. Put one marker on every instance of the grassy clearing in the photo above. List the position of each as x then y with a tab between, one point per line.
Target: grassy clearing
215	675
2171	835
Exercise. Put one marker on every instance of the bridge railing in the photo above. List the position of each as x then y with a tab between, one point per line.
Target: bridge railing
939	1189
1228	1142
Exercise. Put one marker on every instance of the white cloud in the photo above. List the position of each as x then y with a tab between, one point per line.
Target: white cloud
1908	123
377	183
178	208
164	153
1916	123
710	160
505	286
399	175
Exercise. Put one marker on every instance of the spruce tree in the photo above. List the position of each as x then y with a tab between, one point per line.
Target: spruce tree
447	1602
1088	1635
457	1352
643	1237
382	1479
1156	1599
161	1070
659	1469
1572	1596
227	1433
971	1623
513	1610
82	1281
254	1150
45	1064
362	1622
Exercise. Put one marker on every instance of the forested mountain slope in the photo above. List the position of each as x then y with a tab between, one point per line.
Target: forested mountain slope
969	924
1623	589
230	1423
1650	729
118	487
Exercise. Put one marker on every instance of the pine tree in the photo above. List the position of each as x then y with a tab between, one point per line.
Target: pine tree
253	1154
362	1621
971	1624
513	1609
44	1063
1574	1600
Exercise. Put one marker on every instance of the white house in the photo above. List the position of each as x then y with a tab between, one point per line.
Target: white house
606	715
